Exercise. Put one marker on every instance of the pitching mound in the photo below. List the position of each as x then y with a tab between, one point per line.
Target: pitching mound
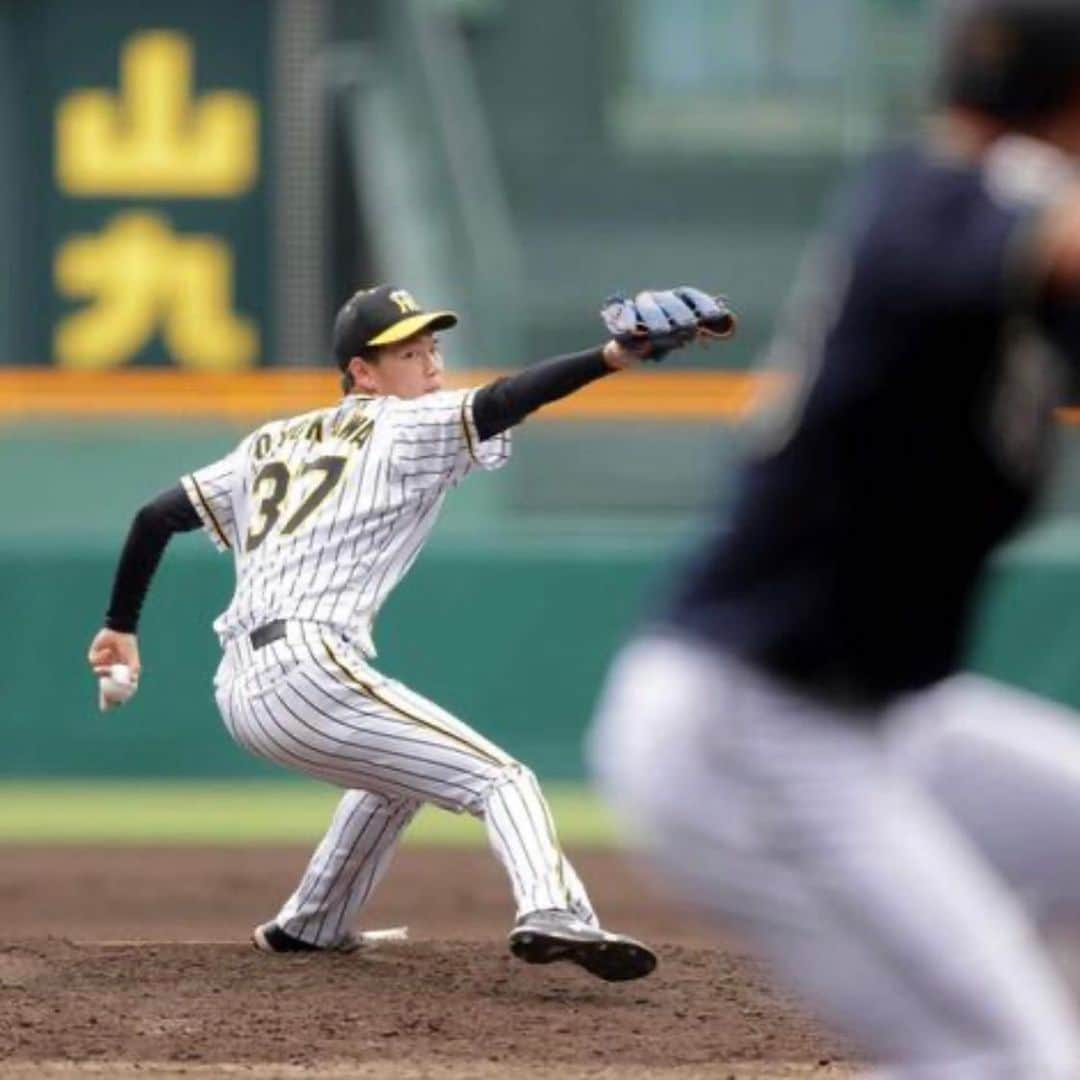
76	1001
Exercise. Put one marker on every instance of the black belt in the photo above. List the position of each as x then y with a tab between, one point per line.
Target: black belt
268	634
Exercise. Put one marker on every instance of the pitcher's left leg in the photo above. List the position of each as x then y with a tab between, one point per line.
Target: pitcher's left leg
522	834
556	920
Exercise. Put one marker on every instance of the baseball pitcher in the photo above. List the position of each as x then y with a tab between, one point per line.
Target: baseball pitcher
324	513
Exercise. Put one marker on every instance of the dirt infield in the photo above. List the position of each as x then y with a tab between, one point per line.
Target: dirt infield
132	962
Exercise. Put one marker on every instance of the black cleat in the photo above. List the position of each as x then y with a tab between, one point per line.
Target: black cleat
271	938
543	937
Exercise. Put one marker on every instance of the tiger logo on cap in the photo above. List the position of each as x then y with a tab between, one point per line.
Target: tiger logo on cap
404	300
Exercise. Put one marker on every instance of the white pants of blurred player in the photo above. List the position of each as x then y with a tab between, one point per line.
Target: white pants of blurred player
890	868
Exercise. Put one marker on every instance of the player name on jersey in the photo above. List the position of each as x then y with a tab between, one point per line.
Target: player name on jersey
353	427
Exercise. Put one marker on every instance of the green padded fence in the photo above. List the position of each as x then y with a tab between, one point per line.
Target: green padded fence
512	637
508	619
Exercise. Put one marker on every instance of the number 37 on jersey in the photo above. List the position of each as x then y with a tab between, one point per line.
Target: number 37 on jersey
284	500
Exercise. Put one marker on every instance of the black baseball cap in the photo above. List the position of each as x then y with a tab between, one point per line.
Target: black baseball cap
382	316
1015	59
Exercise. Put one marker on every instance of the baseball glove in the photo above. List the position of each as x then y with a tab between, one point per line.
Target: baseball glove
667	319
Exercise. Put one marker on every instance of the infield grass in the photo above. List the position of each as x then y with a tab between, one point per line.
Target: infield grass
240	812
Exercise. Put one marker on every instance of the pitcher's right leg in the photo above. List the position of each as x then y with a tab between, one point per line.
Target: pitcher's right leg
346	867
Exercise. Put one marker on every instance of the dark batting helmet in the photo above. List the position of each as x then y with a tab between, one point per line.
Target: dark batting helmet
1018	60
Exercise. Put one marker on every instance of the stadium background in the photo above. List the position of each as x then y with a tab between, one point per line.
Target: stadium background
190	191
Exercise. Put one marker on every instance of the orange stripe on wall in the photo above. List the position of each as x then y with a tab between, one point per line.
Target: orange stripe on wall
31	393
251	396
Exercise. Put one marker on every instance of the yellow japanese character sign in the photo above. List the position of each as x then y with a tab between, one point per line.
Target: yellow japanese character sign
156	137
141	277
131	158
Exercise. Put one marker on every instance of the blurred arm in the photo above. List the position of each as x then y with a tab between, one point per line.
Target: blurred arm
1057	245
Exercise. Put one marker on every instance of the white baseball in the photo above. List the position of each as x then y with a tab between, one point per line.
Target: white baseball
117	687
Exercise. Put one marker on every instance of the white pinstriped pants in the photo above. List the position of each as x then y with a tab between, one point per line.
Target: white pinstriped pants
877	862
313	704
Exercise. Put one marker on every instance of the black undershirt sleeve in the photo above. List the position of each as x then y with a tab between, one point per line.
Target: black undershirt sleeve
171	512
507	401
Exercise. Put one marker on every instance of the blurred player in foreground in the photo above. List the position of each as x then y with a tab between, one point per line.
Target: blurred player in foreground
791	737
325	513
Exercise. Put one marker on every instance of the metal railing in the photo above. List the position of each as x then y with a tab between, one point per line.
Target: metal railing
429	186
486	237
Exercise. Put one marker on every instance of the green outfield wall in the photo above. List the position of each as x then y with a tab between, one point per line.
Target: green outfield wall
513	635
509	617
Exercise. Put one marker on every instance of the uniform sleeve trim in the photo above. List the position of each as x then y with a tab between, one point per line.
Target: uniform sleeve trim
199	501
467	425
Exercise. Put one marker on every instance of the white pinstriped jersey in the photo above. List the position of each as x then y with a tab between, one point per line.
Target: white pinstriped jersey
325	512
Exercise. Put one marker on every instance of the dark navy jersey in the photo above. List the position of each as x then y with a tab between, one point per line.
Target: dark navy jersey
915	441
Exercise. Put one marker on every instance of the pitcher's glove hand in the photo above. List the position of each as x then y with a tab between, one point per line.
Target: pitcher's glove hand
657	321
